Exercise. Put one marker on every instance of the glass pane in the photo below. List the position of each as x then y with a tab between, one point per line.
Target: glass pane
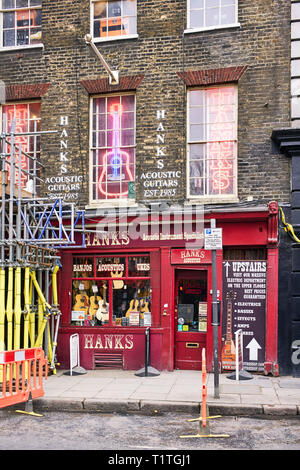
22	37
113	9
35	3
132	303
212	3
196	4
129	25
129	7
99	105
99	139
90	303
196	152
23	18
196	97
196	169
97	31
111	267
192	304
197	19
228	15
8	20
6	4
227	95
197	187
35	36
212	17
35	110
228	2
37	17
100	10
127	138
83	267
197	114
196	132
21	3
9	38
127	120
139	266
127	103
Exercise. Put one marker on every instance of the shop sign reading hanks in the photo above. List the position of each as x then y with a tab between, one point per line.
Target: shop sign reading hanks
65	185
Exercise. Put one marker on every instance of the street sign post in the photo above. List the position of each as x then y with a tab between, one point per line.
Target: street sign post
213	241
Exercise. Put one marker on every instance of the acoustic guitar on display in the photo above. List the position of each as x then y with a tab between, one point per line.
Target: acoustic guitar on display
134	306
102	313
144	307
94	305
81	303
228	349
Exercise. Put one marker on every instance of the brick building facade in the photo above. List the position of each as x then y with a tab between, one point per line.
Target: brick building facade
164	58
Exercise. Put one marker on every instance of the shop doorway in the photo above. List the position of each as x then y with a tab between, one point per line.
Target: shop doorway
190	317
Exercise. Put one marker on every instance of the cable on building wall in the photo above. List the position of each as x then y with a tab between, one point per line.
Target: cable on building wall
288	227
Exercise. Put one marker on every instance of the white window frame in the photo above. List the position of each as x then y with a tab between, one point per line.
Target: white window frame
223	198
22	46
125	202
108	38
236	24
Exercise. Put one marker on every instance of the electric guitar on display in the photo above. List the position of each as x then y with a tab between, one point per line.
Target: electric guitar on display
102	313
228	349
116	162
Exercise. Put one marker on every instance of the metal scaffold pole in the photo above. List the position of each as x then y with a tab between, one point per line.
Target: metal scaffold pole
32	232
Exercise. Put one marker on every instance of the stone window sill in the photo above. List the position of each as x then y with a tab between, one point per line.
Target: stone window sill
211	28
21	48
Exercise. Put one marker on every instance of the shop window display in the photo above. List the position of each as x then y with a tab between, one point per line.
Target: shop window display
111	291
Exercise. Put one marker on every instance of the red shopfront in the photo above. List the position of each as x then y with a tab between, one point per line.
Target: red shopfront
111	291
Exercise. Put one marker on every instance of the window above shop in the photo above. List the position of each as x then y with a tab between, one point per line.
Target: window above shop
114	19
212	144
211	14
112	166
20	23
111	291
27	116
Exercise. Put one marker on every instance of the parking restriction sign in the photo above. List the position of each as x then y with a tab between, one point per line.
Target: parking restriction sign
213	239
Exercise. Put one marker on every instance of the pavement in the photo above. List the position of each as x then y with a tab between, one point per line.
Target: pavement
120	391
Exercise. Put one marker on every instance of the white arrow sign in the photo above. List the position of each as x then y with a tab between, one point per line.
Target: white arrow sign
226	266
253	346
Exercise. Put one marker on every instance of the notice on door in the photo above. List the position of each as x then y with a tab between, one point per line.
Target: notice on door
244	307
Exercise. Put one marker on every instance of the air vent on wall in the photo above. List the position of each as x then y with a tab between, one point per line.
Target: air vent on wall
108	361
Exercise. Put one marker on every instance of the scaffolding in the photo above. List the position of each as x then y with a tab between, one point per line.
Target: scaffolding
33	229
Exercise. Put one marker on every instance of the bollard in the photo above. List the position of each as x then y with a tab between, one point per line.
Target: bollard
204	413
147	371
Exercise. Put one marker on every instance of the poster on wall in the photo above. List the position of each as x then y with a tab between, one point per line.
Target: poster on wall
244	307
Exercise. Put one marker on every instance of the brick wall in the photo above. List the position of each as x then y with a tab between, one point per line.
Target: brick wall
161	54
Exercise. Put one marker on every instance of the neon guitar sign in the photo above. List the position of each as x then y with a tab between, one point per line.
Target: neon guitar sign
116	161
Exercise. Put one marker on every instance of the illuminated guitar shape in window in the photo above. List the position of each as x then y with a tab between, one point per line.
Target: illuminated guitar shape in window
113	164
